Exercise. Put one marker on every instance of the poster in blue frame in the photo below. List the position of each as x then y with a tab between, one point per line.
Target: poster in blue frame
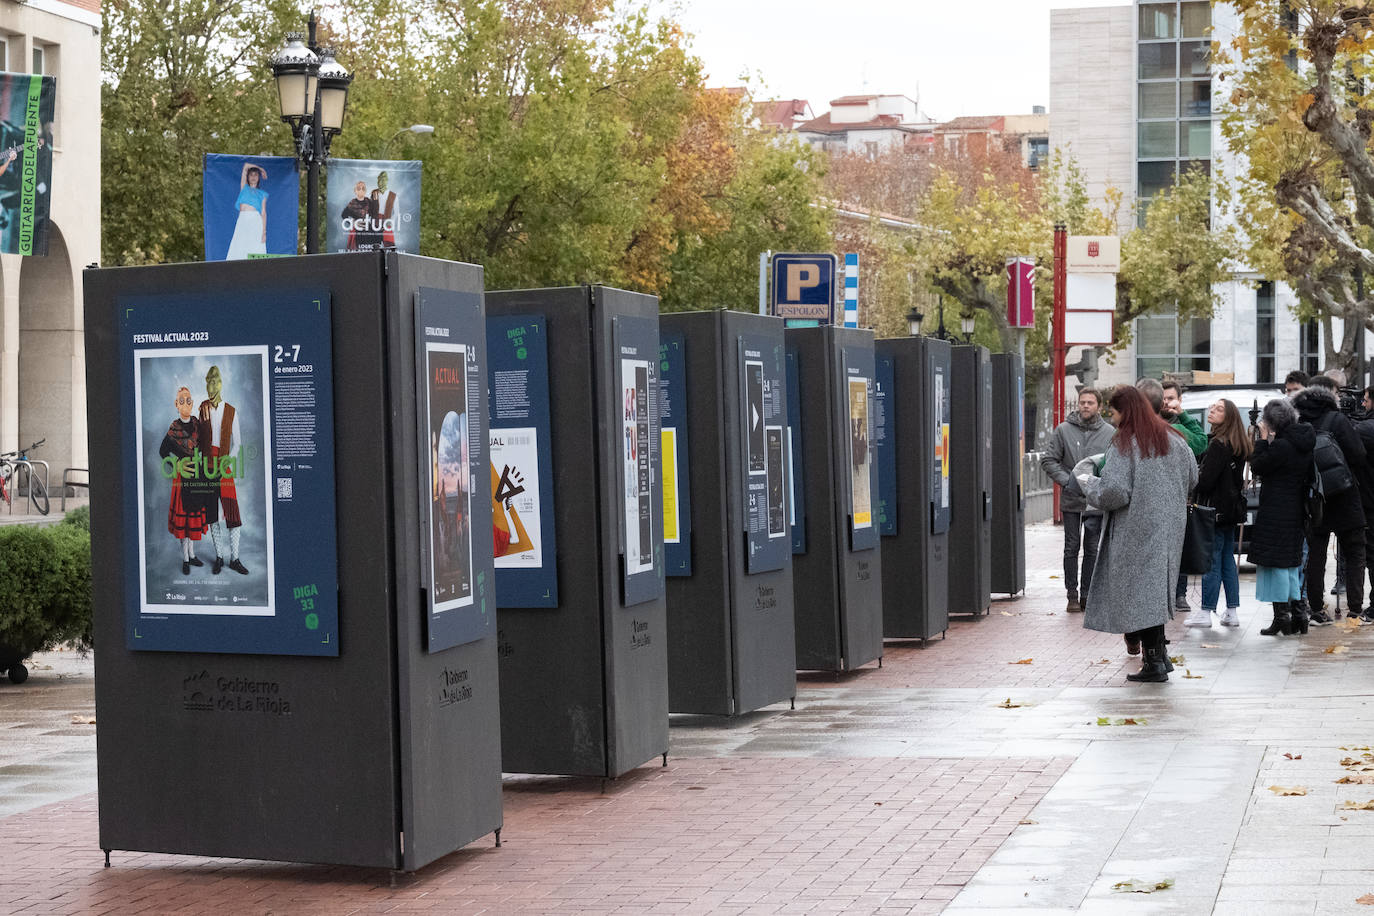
228	468
885	442
450	353
521	461
639	500
855	412
677	486
762	391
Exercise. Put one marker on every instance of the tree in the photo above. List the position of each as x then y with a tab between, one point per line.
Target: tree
1299	114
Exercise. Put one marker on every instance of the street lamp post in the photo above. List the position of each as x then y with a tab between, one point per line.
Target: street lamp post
914	320
940	332
312	89
412	129
967	325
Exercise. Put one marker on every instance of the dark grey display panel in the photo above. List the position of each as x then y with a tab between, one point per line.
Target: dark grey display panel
1008	494
585	683
837	580
731	629
387	755
915	556
970	458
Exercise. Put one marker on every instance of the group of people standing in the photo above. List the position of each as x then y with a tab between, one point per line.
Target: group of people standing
1126	488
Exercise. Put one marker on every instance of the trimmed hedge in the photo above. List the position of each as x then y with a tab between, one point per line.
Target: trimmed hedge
45	585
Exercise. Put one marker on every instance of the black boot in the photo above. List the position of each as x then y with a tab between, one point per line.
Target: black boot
1154	668
1282	620
1297	620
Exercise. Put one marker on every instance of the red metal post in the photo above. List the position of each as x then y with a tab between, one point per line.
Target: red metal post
1058	349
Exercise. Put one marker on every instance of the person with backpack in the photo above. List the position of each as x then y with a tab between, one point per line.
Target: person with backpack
1338	453
1282	460
1221	485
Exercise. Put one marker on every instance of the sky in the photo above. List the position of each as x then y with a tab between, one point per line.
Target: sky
955	57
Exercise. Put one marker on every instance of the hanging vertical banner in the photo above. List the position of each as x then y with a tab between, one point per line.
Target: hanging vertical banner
641	502
796	492
521	461
762	384
884	443
249	206
677	492
856	414
228	464
940	515
451	398
27	102
372	204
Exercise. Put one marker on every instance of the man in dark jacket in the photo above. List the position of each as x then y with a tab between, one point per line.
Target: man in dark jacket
1365	478
1343	514
1081	435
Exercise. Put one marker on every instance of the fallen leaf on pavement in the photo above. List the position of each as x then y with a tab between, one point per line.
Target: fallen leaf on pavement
1136	886
1026	820
1336	650
1177	659
1350	762
1359	779
1189	674
1054	577
1008	704
1104	661
1358	806
1349	623
1288	790
1008	614
83	720
1367	899
1024	661
1118	720
1208	645
1291	757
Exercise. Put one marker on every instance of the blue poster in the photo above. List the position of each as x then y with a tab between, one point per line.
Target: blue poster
250	206
639	502
521	462
229	456
856	416
796	491
677	488
884	444
763	415
456	566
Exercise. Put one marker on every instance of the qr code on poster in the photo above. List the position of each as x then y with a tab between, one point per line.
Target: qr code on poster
283	488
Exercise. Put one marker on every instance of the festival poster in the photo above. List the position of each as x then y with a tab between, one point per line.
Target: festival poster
450	482
753	419
673	454
517	524
250	207
777	515
229	462
860	497
27	103
635	458
373	204
206	478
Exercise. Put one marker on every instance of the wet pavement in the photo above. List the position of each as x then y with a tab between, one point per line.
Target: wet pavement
952	779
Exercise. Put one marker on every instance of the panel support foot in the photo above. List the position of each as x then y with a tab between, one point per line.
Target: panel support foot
107	858
665	758
498	837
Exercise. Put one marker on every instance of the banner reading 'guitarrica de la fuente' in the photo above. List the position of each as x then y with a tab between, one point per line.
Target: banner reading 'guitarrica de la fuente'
26	123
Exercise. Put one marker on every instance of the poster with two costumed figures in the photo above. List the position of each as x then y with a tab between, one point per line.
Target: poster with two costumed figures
229	448
250	206
27	103
373	204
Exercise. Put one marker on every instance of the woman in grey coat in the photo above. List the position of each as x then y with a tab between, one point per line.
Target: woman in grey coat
1143	491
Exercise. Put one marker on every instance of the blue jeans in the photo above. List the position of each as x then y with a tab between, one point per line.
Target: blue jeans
1223	571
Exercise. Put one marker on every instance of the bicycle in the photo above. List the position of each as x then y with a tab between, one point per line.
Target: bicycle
38	490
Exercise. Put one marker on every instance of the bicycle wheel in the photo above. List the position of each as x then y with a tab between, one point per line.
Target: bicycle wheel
40	495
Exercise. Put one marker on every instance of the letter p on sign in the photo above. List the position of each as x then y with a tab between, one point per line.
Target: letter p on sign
800	277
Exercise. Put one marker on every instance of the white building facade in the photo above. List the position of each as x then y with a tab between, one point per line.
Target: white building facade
1131	99
42	357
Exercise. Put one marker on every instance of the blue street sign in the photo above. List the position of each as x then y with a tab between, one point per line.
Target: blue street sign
804	287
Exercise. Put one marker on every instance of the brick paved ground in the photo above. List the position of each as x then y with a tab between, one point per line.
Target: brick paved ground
905	789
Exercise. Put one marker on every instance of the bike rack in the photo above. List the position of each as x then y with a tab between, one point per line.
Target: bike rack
28	464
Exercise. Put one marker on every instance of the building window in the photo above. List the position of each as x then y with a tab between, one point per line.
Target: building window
1195	98
1039	151
1157	100
1156	140
1264	333
1157	21
38	58
1310	347
1195	20
1162	345
1158	60
1174	96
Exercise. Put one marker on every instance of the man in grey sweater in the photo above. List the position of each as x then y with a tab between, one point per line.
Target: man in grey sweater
1081	435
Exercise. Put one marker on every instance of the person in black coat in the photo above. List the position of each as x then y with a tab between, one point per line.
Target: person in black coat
1283	461
1365	478
1221	484
1344	513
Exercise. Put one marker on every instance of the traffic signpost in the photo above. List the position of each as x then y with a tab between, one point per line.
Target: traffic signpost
803	288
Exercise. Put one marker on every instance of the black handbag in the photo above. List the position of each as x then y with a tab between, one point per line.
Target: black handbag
1198	538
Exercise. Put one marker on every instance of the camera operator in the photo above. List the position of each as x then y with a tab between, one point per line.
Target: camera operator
1343	514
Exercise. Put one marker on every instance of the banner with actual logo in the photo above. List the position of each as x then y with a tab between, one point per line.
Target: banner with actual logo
372	204
250	206
26	123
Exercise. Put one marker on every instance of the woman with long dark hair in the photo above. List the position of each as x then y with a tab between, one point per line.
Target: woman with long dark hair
250	227
1143	492
1221	485
1283	462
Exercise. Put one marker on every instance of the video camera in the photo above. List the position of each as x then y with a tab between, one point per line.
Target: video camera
1351	403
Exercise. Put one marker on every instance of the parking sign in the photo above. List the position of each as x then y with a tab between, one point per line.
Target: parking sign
804	287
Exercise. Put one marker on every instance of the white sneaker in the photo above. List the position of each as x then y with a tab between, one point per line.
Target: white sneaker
1230	618
1202	617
